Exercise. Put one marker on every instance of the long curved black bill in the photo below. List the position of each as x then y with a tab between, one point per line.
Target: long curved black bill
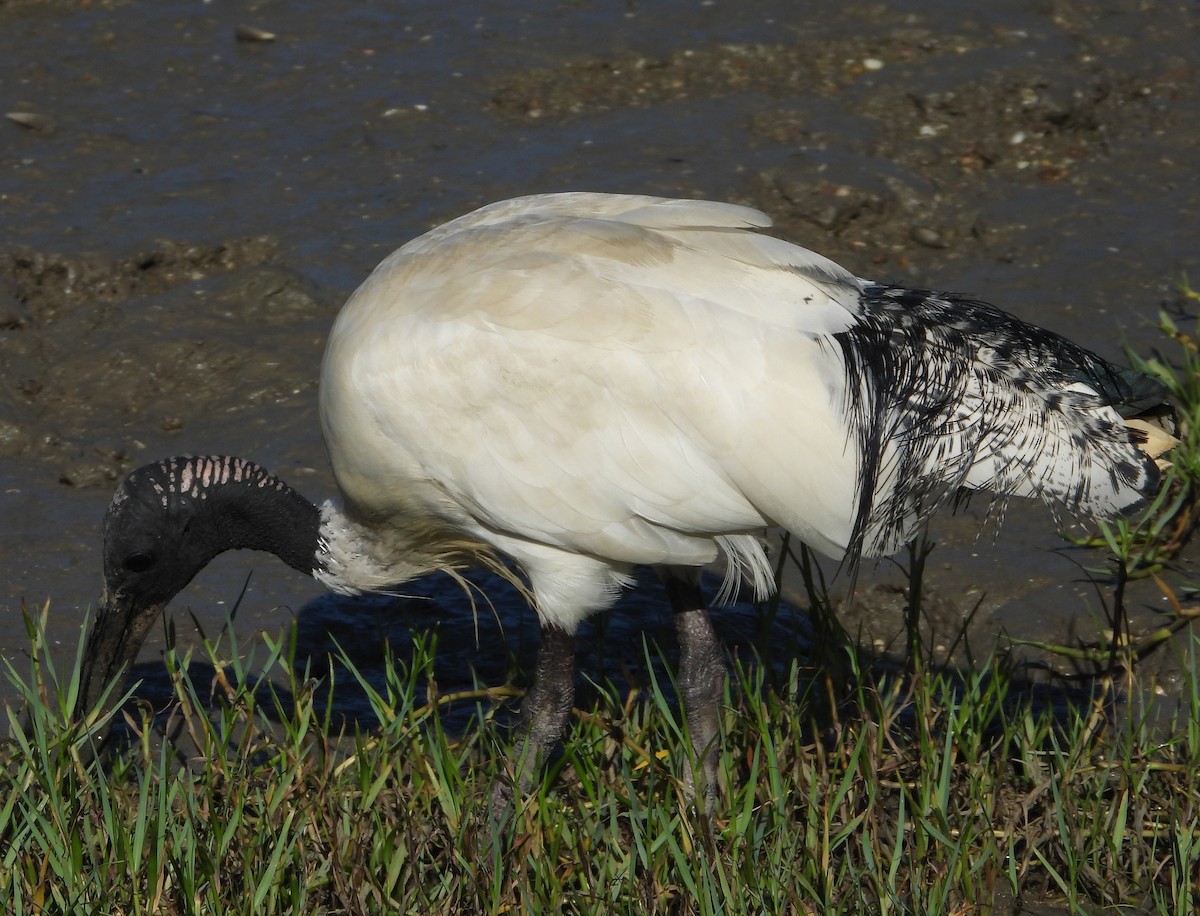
117	635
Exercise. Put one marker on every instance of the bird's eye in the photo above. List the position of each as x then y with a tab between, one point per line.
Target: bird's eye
139	562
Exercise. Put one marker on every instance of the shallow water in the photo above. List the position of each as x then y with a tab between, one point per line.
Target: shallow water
1029	153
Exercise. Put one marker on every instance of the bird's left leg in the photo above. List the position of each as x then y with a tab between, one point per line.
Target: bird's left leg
701	676
544	714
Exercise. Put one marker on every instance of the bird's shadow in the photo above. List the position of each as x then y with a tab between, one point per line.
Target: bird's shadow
345	648
487	637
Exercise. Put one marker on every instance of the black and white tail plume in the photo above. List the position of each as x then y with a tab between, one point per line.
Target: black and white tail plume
947	393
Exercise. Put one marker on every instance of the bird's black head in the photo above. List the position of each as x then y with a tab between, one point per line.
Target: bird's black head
165	523
159	532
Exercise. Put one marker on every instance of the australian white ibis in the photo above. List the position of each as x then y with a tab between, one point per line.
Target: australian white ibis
581	383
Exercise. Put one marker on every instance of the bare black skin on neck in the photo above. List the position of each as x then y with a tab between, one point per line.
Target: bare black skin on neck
166	522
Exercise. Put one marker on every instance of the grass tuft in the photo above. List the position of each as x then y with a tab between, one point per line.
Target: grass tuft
940	794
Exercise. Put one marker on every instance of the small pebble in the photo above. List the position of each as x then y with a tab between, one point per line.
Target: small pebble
31	120
930	238
252	33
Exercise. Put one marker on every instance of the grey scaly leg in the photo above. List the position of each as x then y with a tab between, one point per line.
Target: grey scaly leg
544	714
701	679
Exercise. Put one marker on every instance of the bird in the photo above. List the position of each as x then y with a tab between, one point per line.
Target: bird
563	387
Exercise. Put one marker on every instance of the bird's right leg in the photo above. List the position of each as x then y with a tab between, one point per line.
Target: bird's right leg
701	678
544	714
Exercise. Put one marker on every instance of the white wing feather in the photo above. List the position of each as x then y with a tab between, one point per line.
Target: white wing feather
594	387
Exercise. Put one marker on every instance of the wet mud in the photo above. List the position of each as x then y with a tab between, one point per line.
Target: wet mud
189	191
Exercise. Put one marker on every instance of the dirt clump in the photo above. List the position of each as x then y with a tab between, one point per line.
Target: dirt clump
96	352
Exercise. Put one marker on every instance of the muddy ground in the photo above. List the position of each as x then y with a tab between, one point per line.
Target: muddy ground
189	190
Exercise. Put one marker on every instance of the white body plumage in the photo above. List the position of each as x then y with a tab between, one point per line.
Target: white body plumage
586	382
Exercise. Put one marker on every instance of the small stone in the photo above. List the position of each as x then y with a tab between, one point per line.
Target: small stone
31	120
930	238
249	33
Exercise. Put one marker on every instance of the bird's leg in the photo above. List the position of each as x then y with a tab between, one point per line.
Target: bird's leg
701	680
544	714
